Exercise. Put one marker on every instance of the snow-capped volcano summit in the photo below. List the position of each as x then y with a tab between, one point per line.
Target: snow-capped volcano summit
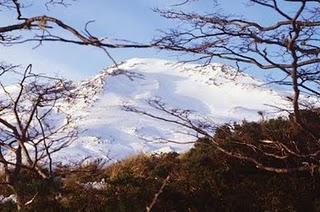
108	131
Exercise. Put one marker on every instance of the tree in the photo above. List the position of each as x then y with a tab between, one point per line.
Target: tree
33	126
289	45
29	131
275	145
43	28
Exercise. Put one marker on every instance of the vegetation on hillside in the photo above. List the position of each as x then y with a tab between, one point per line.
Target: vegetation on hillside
202	179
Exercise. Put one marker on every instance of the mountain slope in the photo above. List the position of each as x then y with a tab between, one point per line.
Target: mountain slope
109	132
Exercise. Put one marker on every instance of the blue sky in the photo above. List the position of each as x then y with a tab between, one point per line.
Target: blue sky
124	19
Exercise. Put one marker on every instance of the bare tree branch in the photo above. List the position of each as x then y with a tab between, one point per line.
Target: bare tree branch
289	45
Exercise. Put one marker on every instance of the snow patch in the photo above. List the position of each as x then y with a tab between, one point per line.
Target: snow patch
109	132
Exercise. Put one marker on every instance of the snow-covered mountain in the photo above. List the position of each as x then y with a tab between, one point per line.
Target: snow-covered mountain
215	92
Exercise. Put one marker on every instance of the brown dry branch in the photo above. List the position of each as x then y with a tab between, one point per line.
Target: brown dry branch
29	130
268	155
156	196
289	45
42	28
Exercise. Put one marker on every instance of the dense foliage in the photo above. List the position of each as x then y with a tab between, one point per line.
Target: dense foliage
202	179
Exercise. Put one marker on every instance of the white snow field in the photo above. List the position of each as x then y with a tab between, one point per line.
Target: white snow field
109	132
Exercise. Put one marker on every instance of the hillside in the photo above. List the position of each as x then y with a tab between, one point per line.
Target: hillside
107	131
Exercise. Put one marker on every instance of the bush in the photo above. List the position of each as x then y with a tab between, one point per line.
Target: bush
202	179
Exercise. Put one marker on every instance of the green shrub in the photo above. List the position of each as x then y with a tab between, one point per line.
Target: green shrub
202	179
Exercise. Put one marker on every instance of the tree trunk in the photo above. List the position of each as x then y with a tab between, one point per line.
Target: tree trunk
295	99
19	202
294	77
